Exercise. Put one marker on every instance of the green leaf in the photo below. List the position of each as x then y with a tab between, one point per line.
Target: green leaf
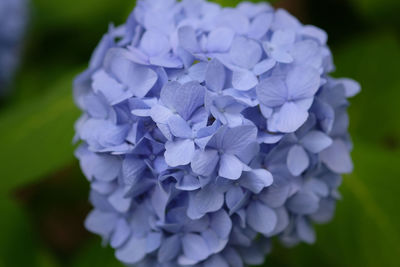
386	10
374	61
54	14
19	244
36	136
93	254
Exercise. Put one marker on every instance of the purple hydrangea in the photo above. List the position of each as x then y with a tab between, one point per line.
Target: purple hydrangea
209	131
12	25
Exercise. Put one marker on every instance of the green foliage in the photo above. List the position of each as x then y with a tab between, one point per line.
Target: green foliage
373	60
36	136
386	10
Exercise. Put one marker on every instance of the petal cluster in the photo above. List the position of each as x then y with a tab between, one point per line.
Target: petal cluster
208	131
12	24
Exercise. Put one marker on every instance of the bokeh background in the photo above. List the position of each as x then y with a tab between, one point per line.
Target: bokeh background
43	195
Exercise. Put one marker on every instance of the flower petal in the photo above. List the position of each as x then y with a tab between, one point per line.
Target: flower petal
245	53
316	141
302	82
195	247
204	162
272	92
230	167
220	40
133	251
256	180
303	203
215	75
288	119
297	160
179	152
244	80
261	218
337	157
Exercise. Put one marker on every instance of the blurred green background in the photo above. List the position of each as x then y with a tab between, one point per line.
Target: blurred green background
43	195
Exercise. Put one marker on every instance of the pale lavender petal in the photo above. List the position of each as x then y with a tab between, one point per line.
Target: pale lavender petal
261	218
179	152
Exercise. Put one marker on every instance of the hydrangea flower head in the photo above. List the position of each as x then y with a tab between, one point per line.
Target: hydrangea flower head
208	131
12	25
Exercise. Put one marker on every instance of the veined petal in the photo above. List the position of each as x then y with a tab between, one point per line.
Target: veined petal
297	160
179	152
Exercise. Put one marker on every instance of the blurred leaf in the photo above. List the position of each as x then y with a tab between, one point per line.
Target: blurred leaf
96	255
365	229
374	61
386	10
36	137
19	244
53	14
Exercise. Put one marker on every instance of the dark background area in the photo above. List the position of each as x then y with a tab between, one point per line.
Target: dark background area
43	195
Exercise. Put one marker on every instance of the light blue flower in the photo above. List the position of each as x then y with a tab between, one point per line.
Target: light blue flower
209	131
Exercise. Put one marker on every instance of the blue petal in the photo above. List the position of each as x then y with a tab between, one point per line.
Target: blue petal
194	247
121	233
153	241
233	257
256	180
204	162
303	203
215	75
263	66
119	201
302	82
351	87
305	230
101	223
261	218
337	157
112	90
244	80
260	25
283	37
272	92
179	127
184	99
288	119
132	168
203	201
154	43
220	40
139	79
275	195
234	140
198	71
233	19
188	183
316	141
216	261
214	243
169	249
245	53
234	198
221	223
160	114
188	40
179	152
133	251
230	167
297	160
282	56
